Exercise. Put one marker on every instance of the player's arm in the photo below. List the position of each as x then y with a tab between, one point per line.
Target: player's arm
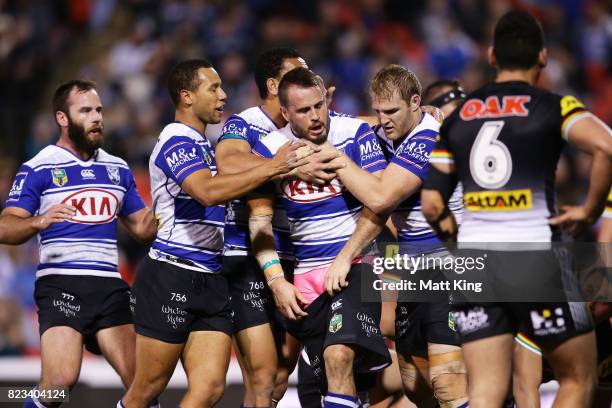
18	225
381	194
368	227
594	137
209	190
234	156
141	225
437	189
286	296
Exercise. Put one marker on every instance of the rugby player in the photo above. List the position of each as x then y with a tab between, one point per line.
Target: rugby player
253	308
71	195
425	341
180	299
506	140
340	333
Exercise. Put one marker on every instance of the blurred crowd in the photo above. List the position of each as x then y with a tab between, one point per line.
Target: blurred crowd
128	46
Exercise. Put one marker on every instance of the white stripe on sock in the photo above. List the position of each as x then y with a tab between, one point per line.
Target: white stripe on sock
341	401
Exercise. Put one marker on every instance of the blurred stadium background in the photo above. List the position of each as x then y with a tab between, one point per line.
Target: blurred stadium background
128	46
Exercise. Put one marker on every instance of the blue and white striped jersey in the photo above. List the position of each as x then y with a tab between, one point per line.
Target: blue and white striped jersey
413	153
251	125
189	234
101	188
322	218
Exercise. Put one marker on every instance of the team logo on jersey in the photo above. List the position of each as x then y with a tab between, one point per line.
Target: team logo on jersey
511	105
59	177
304	192
511	200
335	323
88	174
569	103
113	174
93	206
17	186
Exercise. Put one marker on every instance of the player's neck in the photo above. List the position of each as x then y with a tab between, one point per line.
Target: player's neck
188	118
271	107
524	75
65	142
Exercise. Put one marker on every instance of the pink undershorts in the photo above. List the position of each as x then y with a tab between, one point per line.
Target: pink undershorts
311	284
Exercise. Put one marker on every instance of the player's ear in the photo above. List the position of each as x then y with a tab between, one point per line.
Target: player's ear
415	102
285	113
185	97
491	57
61	118
272	85
542	58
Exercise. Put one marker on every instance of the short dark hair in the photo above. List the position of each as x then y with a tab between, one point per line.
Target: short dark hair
269	65
60	96
517	41
395	78
434	88
184	76
301	77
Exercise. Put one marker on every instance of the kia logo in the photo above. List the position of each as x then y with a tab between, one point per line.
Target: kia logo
93	206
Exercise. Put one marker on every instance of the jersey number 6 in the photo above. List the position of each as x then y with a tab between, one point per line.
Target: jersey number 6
490	160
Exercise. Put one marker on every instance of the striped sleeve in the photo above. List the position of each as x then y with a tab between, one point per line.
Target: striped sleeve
414	153
572	110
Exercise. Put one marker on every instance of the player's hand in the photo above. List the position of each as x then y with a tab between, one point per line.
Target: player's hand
321	167
329	91
288	299
575	219
335	277
290	155
55	214
433	111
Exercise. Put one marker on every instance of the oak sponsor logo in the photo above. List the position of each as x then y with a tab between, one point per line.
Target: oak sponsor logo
232	129
93	206
510	200
304	192
492	107
336	305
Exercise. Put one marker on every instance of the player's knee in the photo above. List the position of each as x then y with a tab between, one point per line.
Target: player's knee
263	377
450	389
338	357
62	378
207	394
448	377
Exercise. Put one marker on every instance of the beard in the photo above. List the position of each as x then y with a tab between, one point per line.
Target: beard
79	136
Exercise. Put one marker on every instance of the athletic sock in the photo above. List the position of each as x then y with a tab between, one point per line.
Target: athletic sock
333	400
33	403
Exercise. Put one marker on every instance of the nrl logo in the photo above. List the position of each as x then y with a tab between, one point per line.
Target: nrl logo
60	178
335	323
113	174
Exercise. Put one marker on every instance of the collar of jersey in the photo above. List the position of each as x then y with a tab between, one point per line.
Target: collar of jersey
268	116
84	163
192	128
